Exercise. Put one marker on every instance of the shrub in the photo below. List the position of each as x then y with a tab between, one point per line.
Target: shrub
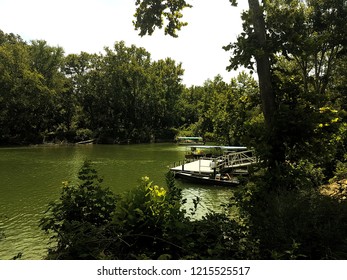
76	220
341	171
148	222
300	224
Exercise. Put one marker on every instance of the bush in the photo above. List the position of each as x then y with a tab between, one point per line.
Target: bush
83	134
341	171
300	224
148	222
76	220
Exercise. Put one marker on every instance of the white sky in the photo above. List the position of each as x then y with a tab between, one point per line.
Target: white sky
90	25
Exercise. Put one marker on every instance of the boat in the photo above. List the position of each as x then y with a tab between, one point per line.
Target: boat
220	170
219	180
190	140
90	141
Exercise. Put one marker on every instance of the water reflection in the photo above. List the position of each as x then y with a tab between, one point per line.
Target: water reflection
211	198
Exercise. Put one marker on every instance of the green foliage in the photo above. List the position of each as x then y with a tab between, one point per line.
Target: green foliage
296	224
340	171
151	14
232	107
84	134
221	112
75	220
121	96
124	96
147	222
31	88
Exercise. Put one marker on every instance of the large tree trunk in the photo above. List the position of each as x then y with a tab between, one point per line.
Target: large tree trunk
263	62
267	94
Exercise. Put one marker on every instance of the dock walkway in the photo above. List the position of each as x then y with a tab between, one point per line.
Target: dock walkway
198	166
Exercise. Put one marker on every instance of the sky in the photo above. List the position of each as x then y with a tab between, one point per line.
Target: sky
91	25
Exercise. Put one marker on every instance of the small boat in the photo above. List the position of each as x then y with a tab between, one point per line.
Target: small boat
90	141
219	180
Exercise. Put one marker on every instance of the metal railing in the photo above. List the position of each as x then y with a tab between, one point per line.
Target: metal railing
236	159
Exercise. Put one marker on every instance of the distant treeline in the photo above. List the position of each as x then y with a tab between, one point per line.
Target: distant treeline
119	95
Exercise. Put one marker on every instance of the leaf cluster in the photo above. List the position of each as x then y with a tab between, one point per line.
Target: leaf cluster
151	14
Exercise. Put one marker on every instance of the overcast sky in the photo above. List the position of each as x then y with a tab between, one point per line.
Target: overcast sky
90	25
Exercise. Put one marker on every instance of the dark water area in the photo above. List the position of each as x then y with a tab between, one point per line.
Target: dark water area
31	177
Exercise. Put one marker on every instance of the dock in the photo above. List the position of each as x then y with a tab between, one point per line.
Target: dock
198	166
228	161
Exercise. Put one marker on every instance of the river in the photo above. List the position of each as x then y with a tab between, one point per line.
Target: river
31	177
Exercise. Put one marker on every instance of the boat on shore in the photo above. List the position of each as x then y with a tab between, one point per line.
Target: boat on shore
85	142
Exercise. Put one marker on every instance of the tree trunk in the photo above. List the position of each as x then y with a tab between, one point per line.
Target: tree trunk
267	94
263	63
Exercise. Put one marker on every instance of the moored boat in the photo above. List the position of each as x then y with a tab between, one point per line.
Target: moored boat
219	180
220	170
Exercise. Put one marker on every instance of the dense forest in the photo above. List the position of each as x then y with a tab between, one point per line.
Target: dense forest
294	116
119	96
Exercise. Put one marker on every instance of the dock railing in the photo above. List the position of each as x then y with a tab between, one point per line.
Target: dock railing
236	159
231	160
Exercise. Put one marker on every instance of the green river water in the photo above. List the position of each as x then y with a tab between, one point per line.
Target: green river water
31	177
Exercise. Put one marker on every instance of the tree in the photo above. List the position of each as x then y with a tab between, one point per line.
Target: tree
295	61
127	77
309	46
232	109
81	70
149	14
48	61
23	94
34	89
254	42
167	87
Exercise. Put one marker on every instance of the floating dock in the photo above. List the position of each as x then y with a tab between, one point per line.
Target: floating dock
225	162
198	166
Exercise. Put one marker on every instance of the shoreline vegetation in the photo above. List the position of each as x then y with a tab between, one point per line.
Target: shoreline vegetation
148	222
295	119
